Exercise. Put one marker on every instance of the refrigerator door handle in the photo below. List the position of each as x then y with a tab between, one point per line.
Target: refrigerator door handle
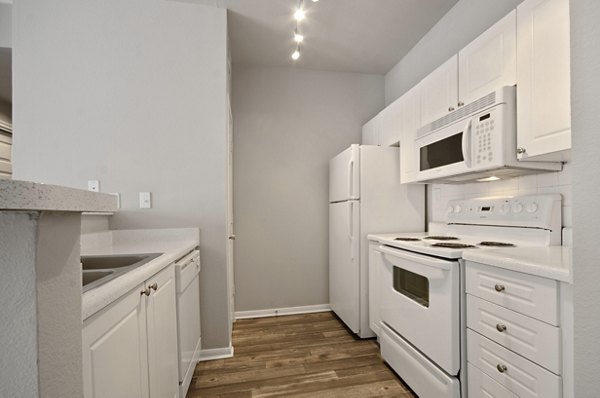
350	228
351	179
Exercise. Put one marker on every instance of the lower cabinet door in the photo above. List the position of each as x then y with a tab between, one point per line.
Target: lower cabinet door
482	385
114	350
162	335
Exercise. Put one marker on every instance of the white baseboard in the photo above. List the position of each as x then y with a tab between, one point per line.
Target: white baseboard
215	353
307	309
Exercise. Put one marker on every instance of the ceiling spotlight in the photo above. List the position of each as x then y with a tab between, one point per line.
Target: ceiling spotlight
314	1
298	37
299	14
295	55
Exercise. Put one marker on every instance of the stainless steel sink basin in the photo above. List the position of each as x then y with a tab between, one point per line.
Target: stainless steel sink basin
115	261
98	270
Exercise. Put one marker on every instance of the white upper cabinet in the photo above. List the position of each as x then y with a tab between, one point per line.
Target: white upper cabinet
409	122
370	132
543	80
488	62
389	131
439	91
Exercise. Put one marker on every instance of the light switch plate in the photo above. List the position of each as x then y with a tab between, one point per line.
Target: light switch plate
145	200
94	185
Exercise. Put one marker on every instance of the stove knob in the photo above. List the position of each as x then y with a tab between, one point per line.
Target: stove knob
532	207
449	210
517	208
457	209
505	208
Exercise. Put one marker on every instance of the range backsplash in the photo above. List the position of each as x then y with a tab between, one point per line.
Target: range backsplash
557	182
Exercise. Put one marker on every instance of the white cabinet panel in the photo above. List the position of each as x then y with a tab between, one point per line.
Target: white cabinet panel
375	265
370	132
410	121
482	385
519	333
439	91
516	373
543	78
389	133
114	350
527	294
162	335
488	62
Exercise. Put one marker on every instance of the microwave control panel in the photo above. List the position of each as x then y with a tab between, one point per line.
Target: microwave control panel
484	140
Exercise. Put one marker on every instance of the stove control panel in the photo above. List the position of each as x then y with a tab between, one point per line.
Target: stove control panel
535	211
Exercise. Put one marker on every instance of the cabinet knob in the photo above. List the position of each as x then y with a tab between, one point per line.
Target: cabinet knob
500	327
499	288
460	103
145	292
501	368
521	151
154	286
450	108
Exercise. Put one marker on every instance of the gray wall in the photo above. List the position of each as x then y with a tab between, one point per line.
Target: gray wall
288	123
585	86
463	23
131	93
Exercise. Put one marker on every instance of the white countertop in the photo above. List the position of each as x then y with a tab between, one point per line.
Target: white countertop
173	243
553	262
31	196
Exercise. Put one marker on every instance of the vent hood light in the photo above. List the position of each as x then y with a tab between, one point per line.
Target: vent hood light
490	178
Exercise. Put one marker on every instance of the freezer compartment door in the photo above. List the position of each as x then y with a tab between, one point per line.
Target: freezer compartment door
344	260
344	175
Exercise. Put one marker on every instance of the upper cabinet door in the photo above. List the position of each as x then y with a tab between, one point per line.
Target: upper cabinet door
410	121
389	133
439	91
488	62
370	132
543	80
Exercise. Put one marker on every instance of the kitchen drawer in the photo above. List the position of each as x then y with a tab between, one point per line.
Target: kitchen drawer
481	385
519	375
527	294
529	337
423	377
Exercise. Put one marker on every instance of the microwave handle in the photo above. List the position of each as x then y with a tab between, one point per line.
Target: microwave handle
466	143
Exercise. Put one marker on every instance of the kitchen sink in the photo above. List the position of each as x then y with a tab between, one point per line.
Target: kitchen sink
98	270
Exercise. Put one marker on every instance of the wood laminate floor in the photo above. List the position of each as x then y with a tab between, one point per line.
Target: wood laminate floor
310	355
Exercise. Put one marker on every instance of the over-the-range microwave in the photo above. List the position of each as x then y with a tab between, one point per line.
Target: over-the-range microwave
476	142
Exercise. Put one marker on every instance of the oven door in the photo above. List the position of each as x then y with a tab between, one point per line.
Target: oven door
420	300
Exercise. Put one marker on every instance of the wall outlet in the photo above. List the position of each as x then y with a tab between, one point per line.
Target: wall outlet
145	200
94	185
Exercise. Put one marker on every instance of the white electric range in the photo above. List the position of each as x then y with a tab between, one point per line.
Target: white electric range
417	284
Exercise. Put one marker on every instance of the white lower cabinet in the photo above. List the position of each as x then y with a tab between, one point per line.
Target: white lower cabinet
513	334
130	347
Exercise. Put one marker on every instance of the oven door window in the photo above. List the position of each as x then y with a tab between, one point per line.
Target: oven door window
411	285
441	153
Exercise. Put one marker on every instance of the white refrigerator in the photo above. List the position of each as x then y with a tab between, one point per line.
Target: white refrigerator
365	196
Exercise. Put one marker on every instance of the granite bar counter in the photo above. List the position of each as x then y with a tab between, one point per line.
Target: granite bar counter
40	287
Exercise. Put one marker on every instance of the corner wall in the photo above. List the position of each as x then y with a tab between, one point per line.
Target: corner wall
131	93
288	124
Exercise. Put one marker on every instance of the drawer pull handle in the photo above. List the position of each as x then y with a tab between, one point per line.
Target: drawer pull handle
154	286
500	327
499	288
501	368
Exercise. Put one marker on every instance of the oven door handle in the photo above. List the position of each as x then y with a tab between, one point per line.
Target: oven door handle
421	259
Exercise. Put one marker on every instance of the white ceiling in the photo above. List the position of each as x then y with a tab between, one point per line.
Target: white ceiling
367	36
